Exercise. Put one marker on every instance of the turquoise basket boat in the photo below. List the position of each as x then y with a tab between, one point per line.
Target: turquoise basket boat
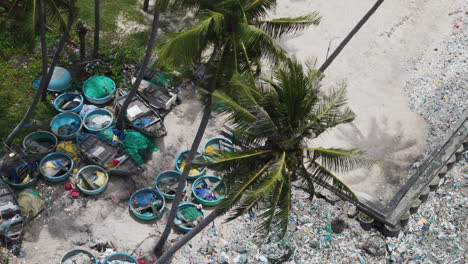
66	125
75	252
218	144
146	197
74	98
122	257
166	183
40	142
87	175
186	225
91	127
203	190
57	159
181	157
102	81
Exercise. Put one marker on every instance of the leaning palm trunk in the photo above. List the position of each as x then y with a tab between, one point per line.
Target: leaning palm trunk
42	90
44	84
57	53
187	237
144	64
97	28
180	187
351	34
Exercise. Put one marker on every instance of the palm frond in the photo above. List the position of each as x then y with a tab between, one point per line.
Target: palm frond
324	177
189	44
263	189
339	160
282	216
236	192
270	49
282	26
255	9
237	113
215	158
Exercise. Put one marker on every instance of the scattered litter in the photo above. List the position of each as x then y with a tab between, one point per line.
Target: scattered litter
119	196
70	103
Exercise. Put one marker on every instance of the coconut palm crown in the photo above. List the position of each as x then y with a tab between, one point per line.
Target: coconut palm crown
235	30
271	125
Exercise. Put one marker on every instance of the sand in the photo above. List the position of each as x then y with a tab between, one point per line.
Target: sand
375	66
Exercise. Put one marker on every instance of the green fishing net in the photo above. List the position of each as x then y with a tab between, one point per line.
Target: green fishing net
98	87
190	213
138	146
160	79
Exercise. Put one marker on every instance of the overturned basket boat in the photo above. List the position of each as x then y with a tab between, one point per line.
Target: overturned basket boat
141	116
103	153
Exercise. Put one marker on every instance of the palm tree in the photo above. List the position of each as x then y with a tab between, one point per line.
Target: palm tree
272	125
144	64
237	35
47	71
26	15
97	28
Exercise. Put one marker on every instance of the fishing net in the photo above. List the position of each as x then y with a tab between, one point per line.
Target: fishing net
190	213
138	146
98	87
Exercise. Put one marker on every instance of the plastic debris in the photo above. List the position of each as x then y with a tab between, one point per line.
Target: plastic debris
119	196
98	121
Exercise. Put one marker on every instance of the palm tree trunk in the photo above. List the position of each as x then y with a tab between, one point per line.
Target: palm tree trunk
144	64
63	39
187	237
81	30
350	35
97	28
146	5
43	85
179	192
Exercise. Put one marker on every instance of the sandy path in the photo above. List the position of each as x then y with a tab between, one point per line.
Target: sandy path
375	66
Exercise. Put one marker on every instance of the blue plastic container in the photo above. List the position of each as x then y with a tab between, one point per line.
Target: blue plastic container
179	223
164	176
120	256
147	216
68	97
90	170
74	252
213	179
102	100
214	143
181	157
66	125
90	115
54	156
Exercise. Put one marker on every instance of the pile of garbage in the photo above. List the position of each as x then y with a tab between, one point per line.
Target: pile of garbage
434	235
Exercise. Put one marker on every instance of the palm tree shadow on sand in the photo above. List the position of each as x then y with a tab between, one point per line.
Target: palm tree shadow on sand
389	146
